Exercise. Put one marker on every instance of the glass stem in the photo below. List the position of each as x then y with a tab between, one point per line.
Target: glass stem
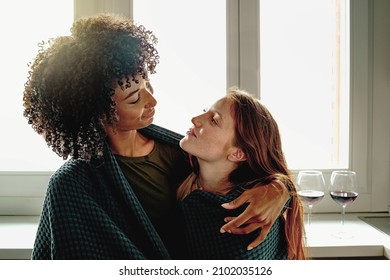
309	215
343	215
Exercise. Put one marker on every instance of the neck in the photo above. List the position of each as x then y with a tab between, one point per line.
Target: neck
129	143
214	177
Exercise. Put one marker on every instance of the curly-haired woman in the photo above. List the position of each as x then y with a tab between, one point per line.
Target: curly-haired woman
90	97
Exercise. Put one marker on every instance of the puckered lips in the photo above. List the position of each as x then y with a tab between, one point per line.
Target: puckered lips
191	132
150	114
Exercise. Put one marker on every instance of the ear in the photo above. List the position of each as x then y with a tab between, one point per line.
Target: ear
237	155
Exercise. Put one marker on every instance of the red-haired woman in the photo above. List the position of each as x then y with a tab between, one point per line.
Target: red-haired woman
236	145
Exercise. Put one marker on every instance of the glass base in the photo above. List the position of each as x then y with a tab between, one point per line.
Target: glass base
343	235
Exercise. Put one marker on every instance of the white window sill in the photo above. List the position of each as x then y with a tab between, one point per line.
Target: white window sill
362	241
17	235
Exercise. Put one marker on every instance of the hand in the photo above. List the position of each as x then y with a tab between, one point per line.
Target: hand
265	205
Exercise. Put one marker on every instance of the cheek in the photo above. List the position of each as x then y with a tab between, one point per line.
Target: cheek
222	143
128	116
219	139
128	112
204	147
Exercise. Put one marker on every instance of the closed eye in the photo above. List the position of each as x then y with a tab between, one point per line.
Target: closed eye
215	119
137	100
133	97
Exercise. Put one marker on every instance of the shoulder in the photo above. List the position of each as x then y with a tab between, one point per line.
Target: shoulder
69	169
72	174
201	197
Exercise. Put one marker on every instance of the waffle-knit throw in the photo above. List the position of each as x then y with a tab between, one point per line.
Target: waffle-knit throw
91	212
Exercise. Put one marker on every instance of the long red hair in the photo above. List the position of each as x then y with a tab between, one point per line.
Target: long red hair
257	134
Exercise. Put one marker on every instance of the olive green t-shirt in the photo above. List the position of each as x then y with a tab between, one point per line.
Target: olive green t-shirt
154	179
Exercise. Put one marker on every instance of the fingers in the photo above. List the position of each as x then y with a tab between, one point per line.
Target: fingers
242	224
244	217
265	228
242	199
231	225
245	229
228	219
260	238
236	222
264	206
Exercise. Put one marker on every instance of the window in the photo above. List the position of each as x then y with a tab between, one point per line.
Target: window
22	29
304	74
192	47
340	97
360	132
313	68
206	46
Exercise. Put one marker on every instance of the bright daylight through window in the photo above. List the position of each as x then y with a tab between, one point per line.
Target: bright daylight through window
304	65
21	148
303	72
192	70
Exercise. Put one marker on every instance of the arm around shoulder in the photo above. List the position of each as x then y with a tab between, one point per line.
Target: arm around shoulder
265	205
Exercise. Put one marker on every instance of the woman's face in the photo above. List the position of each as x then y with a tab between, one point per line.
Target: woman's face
212	135
134	104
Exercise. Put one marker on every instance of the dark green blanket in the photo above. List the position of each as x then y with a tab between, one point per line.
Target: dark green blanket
91	212
203	217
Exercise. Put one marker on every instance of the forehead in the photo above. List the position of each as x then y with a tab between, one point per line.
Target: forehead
129	81
132	78
222	105
224	108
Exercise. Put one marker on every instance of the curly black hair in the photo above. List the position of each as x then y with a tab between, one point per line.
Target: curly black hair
68	95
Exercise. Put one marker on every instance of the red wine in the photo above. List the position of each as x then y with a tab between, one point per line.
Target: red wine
310	197
343	198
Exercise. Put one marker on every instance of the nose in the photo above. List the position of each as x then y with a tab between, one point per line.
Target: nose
150	101
196	121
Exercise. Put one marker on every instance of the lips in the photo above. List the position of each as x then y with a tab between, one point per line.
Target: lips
191	132
150	115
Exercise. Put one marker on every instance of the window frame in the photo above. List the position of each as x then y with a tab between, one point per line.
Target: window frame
369	135
22	193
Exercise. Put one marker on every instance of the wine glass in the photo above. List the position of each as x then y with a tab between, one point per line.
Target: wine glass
343	190
311	189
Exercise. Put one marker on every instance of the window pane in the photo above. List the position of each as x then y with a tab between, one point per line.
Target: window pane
22	25
192	47
304	78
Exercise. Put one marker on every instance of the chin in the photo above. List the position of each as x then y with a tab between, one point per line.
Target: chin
148	122
187	147
184	144
181	142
